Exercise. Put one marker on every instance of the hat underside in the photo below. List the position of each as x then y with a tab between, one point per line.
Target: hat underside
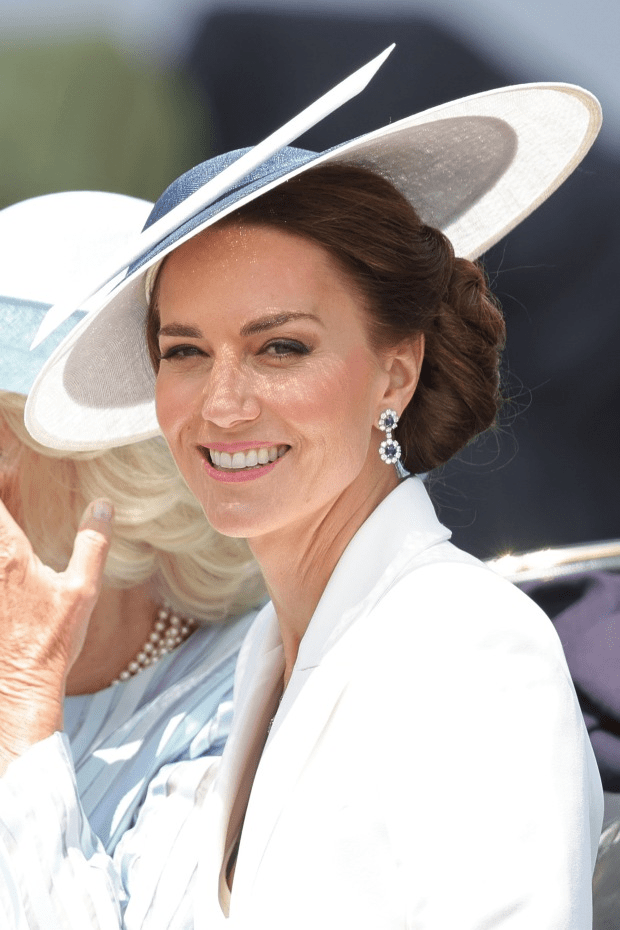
474	169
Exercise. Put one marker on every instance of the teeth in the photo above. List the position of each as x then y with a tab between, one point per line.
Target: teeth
248	459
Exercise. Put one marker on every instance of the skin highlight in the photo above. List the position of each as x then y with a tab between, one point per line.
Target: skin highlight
280	356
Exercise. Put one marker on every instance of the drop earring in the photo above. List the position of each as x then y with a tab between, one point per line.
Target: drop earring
389	450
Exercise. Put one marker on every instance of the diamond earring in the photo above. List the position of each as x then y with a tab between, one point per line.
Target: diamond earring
389	450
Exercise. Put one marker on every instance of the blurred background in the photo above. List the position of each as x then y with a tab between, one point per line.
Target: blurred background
124	95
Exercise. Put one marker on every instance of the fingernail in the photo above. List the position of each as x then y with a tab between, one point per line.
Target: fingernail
102	510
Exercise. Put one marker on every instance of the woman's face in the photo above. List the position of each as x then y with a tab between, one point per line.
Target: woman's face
268	391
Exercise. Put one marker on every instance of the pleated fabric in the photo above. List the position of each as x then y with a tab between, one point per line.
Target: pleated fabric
97	825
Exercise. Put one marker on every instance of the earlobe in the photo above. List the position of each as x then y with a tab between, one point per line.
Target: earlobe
404	364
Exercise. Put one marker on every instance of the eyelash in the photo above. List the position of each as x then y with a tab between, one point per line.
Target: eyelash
181	351
291	347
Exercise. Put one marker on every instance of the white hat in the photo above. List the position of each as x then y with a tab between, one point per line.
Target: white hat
474	168
44	243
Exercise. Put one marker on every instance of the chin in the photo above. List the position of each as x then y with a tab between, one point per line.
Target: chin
234	519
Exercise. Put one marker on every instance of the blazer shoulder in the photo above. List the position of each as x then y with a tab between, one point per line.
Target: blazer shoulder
461	611
461	590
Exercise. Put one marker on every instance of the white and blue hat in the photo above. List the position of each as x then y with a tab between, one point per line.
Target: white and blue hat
46	242
474	168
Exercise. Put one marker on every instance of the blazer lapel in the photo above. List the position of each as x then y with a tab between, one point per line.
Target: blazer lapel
375	557
257	686
372	562
306	708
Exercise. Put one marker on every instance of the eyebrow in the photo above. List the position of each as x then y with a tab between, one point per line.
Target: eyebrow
271	322
180	329
250	329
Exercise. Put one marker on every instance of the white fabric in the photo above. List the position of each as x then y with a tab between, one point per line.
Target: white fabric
423	677
68	234
45	242
139	755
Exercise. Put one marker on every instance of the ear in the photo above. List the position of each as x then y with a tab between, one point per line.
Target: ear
403	365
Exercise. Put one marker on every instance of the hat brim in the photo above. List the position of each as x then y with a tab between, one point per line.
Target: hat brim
44	242
474	168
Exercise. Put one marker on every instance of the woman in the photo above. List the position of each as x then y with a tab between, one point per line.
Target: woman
148	698
307	336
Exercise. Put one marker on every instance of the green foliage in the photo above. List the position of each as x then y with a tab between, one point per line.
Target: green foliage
81	115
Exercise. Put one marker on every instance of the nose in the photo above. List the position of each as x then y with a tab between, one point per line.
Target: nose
229	397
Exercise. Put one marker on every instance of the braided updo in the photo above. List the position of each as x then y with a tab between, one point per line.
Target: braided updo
410	282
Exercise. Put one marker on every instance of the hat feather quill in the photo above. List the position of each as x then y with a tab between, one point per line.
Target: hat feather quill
214	188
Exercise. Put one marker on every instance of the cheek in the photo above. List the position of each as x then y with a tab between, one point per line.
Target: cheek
172	403
313	399
354	389
366	380
337	403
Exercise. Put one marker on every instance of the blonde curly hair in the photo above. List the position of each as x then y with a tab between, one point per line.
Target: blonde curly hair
160	532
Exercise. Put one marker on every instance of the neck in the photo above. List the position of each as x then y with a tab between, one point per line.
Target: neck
120	624
297	561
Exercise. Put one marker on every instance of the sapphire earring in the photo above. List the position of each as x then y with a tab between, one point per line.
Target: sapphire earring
389	450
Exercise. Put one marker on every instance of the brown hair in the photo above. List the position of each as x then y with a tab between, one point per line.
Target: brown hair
410	281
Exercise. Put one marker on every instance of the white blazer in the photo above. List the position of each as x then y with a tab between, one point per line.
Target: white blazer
428	767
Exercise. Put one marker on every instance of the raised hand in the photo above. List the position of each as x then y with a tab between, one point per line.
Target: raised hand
44	617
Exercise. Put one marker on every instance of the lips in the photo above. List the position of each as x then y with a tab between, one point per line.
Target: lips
244	459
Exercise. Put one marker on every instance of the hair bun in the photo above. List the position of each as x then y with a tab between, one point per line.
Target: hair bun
458	395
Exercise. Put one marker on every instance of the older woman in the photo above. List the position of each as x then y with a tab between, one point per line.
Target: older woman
407	750
149	693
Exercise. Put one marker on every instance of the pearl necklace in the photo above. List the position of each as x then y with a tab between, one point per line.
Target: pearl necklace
169	631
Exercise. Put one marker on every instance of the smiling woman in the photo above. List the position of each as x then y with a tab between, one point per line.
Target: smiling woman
316	317
303	382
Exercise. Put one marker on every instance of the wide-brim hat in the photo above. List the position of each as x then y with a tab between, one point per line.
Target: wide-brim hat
474	168
44	243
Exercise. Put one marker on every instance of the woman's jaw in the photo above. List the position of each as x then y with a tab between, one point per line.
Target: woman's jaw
287	502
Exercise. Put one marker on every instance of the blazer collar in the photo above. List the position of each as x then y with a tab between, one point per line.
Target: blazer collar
258	675
402	526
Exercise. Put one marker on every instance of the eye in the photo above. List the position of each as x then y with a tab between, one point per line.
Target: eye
179	352
280	348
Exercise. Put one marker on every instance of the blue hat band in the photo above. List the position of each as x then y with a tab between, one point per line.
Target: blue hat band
19	321
280	164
